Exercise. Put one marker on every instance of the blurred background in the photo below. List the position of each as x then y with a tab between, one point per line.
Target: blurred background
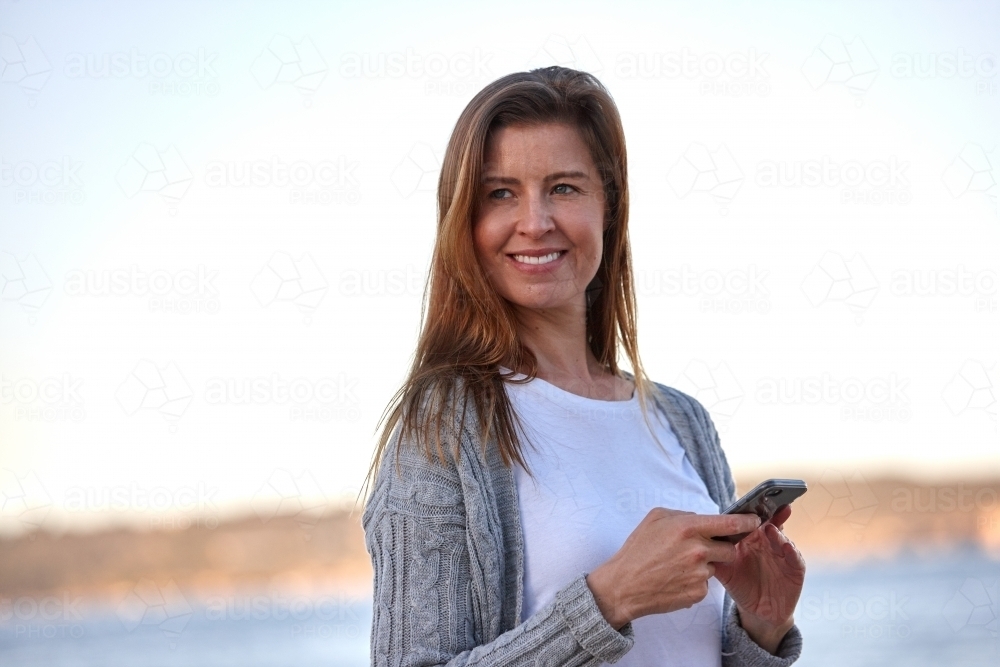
215	225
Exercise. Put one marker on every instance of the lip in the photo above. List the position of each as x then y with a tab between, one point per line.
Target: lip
534	269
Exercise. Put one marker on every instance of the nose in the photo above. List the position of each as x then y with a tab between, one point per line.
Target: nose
536	217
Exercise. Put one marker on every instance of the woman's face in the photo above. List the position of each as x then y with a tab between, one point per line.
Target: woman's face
538	233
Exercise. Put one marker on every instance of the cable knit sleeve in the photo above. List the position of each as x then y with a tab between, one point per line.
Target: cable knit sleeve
428	598
745	652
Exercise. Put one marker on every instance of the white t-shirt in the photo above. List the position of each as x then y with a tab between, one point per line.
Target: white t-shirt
598	473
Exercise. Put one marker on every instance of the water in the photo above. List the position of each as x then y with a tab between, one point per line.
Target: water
910	611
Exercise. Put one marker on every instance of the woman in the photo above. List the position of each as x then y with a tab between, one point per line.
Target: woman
510	521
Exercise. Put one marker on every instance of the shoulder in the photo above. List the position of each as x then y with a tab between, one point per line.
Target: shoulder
686	404
676	403
695	429
412	480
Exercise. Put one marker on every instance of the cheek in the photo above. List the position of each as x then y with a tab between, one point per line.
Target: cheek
591	237
488	237
485	243
480	237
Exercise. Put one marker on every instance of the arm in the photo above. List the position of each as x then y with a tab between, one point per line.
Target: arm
427	603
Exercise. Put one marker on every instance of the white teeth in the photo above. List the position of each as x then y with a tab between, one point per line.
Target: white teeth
544	259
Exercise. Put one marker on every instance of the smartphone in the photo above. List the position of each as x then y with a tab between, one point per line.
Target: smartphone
765	500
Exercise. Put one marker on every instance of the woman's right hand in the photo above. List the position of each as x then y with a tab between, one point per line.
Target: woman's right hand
665	563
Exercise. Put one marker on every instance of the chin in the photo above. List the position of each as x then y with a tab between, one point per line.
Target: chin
540	302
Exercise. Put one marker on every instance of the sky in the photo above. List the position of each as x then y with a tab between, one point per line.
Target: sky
216	221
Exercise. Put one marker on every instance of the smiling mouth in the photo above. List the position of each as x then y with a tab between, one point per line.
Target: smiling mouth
544	259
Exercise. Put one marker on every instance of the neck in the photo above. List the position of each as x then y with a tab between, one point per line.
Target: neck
558	339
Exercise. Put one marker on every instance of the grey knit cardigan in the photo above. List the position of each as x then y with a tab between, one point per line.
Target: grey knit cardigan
448	558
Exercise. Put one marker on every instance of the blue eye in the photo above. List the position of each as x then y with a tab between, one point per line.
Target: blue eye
494	194
564	185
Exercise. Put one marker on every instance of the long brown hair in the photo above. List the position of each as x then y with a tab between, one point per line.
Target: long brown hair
467	329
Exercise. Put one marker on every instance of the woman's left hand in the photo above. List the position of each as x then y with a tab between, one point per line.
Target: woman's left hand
765	581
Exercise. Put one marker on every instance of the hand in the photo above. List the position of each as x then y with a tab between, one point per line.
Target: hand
665	563
765	580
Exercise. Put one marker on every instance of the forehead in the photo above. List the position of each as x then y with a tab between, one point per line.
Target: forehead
536	148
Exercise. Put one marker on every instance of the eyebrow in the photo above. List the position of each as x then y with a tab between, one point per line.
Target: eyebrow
507	180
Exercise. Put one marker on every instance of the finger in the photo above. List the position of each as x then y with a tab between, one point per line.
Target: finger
794	557
719	552
669	511
781	516
763	540
663	513
726	524
775	538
